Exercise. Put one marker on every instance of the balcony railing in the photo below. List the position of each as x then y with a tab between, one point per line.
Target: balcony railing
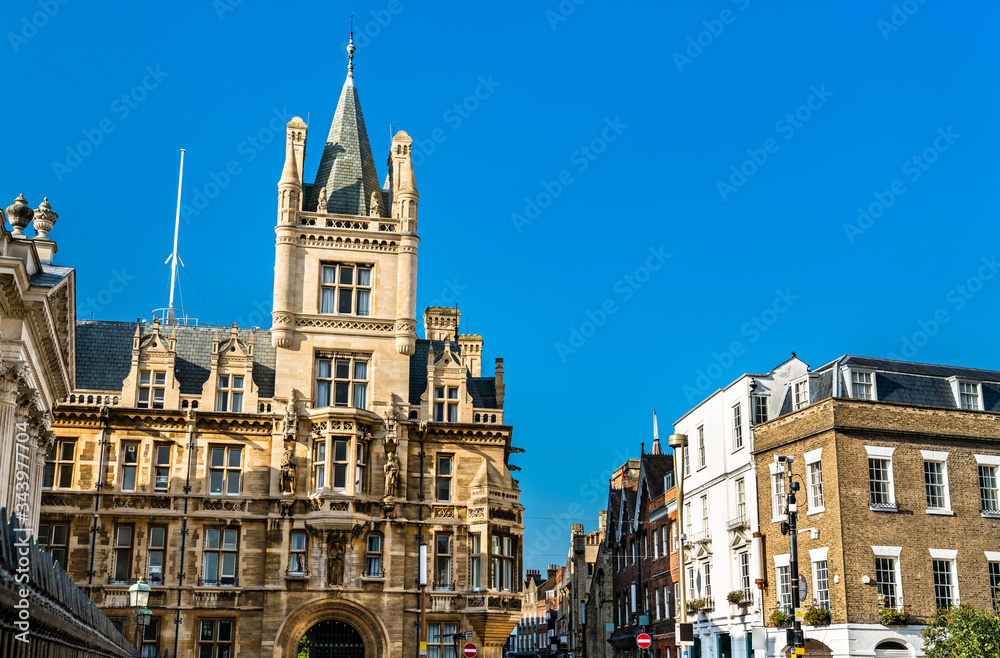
991	510
224	582
443	587
703	537
883	506
737	523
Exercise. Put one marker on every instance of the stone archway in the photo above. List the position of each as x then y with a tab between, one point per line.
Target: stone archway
368	626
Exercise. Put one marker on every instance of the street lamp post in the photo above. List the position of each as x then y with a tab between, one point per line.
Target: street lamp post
793	547
679	443
138	598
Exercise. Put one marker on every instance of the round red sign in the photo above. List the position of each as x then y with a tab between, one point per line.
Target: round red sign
643	641
470	650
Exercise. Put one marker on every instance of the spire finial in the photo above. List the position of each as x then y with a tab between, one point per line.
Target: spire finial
350	51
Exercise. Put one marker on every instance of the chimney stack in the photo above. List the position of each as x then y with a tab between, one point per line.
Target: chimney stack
602	521
499	383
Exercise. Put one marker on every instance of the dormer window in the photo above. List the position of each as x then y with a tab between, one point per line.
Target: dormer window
151	387
862	385
968	395
446	404
229	394
346	289
800	393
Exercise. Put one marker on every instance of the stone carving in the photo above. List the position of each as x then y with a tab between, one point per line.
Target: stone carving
391	473
321	204
290	425
20	215
288	471
44	219
335	564
376	204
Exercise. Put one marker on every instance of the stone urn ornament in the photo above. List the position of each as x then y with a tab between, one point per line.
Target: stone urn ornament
45	219
20	215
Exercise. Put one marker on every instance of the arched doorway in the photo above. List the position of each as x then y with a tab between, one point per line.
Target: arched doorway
310	618
331	638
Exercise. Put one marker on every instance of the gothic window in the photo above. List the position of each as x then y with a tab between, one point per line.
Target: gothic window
503	562
152	384
58	471
157	546
446	404
444	478
319	464
346	289
123	554
342	382
225	471
162	474
130	465
442	563
373	558
340	465
297	556
220	557
215	639
229	394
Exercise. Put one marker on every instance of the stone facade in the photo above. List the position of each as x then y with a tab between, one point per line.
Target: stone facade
278	487
904	499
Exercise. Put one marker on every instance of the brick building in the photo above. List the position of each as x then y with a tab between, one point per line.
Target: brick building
274	487
898	506
643	572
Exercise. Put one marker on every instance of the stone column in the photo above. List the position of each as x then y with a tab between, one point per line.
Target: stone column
11	379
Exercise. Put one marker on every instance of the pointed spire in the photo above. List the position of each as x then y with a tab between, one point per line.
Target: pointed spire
350	55
290	173
657	449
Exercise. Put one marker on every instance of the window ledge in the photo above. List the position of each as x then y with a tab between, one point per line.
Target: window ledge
296	576
884	508
378	579
779	518
991	515
939	511
816	510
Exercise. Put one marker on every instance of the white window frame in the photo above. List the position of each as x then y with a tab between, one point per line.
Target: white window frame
850	372
948	556
702	461
893	553
989	461
800	402
778	504
738	442
783	561
816	556
814	463
760	404
941	458
956	389
881	452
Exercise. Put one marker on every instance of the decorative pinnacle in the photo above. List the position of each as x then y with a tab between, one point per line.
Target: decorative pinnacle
350	51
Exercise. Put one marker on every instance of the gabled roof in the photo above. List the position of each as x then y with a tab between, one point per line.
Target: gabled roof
482	389
346	168
104	355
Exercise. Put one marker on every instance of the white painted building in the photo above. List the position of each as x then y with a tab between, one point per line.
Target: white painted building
720	512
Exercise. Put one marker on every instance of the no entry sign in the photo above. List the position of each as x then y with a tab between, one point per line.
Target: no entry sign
643	641
469	650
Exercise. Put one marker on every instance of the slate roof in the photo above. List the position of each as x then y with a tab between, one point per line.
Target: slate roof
104	355
50	276
482	389
346	168
654	467
903	382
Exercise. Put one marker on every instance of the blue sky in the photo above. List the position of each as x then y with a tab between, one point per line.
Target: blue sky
633	204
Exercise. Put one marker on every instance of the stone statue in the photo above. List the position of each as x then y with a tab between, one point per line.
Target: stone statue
391	474
291	421
335	565
288	471
375	204
321	204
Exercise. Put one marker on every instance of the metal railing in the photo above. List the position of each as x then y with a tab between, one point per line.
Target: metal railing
224	582
738	522
60	618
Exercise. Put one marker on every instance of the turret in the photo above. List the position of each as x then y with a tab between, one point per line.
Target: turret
289	205
404	208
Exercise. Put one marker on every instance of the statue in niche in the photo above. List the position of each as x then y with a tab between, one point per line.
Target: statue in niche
391	474
288	471
335	565
375	204
321	204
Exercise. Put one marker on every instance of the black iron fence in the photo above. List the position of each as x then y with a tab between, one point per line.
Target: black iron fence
42	612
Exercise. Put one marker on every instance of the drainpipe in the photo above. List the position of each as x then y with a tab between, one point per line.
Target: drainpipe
105	423
422	551
191	422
